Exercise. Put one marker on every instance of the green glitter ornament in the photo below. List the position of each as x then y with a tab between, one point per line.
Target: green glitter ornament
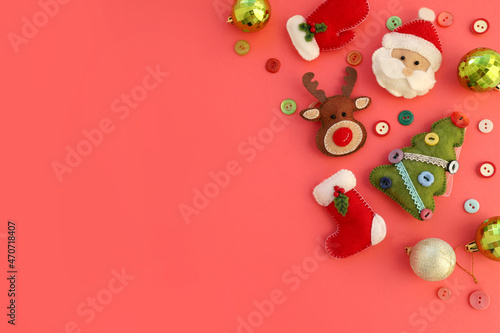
479	70
487	239
250	15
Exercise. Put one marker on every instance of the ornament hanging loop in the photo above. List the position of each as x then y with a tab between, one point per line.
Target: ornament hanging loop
471	248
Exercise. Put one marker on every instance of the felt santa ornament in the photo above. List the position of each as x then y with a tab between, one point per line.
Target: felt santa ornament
358	227
327	28
409	57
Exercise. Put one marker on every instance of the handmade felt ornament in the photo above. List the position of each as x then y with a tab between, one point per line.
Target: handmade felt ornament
418	173
358	227
409	57
327	28
340	134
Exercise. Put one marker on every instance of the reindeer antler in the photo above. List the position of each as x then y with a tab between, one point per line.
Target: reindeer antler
312	85
350	79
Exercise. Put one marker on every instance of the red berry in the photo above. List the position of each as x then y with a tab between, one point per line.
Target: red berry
313	29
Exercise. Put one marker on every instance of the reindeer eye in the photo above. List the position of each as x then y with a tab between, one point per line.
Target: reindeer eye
403	57
417	63
344	114
333	116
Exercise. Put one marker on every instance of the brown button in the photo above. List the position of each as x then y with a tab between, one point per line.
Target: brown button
354	58
273	65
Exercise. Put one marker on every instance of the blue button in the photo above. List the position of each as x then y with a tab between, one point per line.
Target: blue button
385	182
471	206
426	178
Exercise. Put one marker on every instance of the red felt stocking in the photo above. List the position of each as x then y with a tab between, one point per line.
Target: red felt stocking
358	227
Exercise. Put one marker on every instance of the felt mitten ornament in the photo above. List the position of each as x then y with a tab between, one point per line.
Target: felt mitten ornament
340	134
409	57
418	173
358	227
327	28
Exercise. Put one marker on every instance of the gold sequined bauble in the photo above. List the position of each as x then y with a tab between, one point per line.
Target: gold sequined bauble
479	70
250	15
432	259
487	239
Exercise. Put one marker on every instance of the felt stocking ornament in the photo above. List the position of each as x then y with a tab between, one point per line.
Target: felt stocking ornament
358	227
327	28
409	57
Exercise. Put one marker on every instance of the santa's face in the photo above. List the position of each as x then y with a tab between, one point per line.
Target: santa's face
403	72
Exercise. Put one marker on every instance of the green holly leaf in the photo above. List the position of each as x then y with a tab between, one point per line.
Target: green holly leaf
304	27
320	27
341	203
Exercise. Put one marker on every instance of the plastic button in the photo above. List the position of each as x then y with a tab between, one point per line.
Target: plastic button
273	65
460	119
288	106
405	117
480	26
485	126
471	206
426	178
385	182
431	139
479	300
444	293
445	19
452	167
396	156
241	47
354	58
393	22
382	128
426	214
486	169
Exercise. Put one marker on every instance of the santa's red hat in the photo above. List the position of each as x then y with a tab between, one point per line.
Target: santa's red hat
418	36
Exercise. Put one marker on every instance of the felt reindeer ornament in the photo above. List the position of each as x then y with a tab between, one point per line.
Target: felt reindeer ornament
358	226
340	134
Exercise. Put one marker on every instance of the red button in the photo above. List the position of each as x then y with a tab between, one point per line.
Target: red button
480	26
445	19
460	119
444	293
273	65
486	169
382	128
479	300
342	137
354	58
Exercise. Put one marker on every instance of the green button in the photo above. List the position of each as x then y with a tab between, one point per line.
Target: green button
393	22
405	117
288	106
241	47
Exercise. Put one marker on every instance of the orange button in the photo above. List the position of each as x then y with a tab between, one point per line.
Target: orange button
460	119
445	19
354	58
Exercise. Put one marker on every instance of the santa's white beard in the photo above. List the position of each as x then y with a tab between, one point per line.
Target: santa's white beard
389	74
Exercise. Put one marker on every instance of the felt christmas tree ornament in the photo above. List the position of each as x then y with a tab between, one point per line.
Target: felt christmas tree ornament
340	134
410	56
418	173
358	227
327	28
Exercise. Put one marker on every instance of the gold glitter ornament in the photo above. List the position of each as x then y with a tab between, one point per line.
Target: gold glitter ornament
432	259
479	70
250	15
487	239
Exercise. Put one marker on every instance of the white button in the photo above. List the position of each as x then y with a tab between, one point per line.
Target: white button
485	126
382	128
480	26
486	169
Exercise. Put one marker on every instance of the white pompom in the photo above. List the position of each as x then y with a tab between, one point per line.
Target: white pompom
426	14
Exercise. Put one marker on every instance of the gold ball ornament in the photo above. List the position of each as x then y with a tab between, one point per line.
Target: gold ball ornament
479	70
432	259
487	239
250	15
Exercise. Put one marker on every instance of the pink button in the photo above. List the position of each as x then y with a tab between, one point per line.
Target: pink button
444	293
479	300
426	214
445	19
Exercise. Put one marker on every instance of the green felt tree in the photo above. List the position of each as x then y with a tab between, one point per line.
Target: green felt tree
418	173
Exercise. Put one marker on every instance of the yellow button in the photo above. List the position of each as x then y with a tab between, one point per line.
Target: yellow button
431	139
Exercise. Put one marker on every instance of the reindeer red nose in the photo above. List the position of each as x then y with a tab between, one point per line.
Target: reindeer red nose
342	137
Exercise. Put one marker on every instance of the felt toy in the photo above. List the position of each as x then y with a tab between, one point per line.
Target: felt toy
339	134
409	57
358	227
327	28
418	173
